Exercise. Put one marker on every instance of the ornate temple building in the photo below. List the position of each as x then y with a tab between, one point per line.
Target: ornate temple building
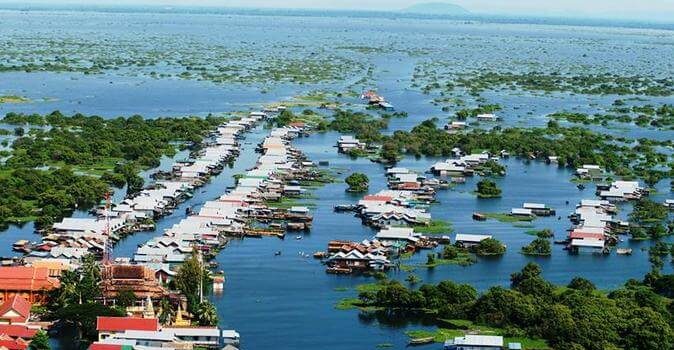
139	279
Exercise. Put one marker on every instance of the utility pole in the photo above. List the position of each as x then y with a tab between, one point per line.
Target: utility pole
201	278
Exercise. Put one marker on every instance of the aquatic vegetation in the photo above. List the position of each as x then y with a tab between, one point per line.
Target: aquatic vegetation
643	116
365	127
503	217
573	146
13	99
489	247
348	304
90	141
358	182
487	189
435	227
538	247
647	211
536	81
544	233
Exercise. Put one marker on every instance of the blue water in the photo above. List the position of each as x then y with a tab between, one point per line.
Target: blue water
287	301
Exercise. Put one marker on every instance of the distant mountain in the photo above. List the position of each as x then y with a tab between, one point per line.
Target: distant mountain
436	8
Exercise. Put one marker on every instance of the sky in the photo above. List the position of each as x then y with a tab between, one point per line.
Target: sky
624	9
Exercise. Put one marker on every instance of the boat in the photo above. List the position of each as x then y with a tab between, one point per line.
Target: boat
580	187
344	207
338	270
479	217
421	341
320	255
277	253
298	237
624	251
20	243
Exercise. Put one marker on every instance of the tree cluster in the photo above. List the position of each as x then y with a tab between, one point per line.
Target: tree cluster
575	317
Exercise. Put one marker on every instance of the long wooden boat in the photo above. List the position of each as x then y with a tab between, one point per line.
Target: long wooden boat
421	341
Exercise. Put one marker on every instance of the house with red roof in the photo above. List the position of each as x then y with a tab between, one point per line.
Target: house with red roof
107	325
31	283
12	344
15	331
15	310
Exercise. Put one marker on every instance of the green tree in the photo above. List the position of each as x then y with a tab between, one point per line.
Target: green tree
646	329
126	298
450	252
206	314
189	278
582	284
84	317
489	246
488	189
539	247
40	341
166	311
358	182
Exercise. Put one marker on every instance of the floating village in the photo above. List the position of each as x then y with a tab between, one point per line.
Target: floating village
339	181
250	209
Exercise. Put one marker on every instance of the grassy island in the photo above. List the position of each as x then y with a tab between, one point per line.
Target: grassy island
64	162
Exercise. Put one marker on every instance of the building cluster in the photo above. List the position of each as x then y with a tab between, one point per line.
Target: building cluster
530	210
619	191
462	165
147	333
20	287
273	177
148	272
594	227
395	212
72	238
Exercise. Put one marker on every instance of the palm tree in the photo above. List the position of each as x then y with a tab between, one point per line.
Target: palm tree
207	314
166	312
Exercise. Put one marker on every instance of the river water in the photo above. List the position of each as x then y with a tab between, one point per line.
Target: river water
287	301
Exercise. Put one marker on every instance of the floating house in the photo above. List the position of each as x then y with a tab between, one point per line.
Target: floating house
487	117
669	203
355	261
398	234
522	212
455	126
479	342
594	226
468	241
621	191
347	143
539	209
590	171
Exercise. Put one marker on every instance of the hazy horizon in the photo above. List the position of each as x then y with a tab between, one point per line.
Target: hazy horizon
616	9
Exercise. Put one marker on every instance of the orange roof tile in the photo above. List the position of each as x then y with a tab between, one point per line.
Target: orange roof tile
119	324
17	331
17	304
25	278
